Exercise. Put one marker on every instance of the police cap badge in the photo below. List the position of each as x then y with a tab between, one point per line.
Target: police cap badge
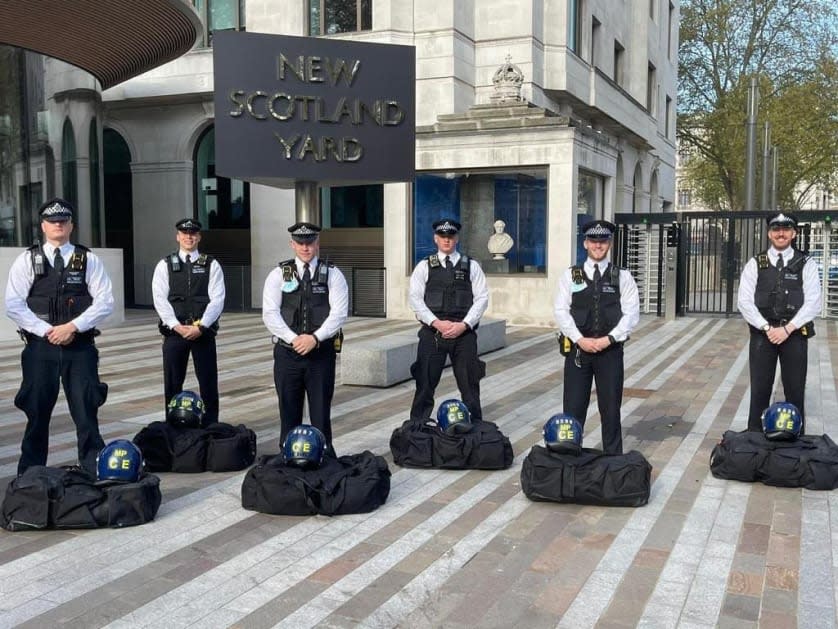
304	232
56	210
447	227
599	230
189	225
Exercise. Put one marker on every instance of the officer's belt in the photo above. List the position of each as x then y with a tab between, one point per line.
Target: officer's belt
29	337
288	345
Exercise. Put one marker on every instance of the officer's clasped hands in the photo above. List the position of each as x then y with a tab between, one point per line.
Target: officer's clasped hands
777	335
304	343
62	334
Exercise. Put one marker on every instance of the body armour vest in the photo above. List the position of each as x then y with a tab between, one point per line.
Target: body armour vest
59	297
448	291
305	305
189	286
779	293
596	309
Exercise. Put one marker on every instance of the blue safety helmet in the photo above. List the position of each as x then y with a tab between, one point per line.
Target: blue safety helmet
782	422
120	460
186	409
562	433
453	417
304	447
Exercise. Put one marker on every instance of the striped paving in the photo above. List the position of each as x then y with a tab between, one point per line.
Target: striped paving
449	548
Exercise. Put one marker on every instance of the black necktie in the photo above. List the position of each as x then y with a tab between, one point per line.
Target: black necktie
58	262
597	275
448	264
780	263
306	273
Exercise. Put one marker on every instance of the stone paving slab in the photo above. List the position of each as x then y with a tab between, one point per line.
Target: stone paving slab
449	548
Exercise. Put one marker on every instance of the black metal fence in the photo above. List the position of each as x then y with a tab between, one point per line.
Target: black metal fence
712	249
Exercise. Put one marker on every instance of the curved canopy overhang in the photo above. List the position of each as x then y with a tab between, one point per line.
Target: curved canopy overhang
114	40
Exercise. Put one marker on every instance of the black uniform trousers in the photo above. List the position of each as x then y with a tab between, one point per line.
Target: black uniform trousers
763	355
430	361
44	366
299	377
606	367
176	351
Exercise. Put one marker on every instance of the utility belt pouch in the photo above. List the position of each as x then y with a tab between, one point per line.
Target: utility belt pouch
808	329
565	344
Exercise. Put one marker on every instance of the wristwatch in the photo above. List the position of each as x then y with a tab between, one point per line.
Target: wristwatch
766	327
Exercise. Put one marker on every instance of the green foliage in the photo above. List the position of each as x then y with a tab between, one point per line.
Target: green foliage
791	47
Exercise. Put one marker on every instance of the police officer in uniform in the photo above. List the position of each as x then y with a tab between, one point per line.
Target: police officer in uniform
304	305
597	307
188	291
57	293
779	296
449	294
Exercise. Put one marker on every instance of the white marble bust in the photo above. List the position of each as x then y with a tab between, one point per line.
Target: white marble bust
500	242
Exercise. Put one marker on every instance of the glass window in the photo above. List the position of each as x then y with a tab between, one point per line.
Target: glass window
574	25
590	206
328	17
489	205
222	203
69	172
219	15
95	216
353	206
618	62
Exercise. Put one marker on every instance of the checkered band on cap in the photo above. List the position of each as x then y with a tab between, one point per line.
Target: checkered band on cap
187	225
56	210
782	219
599	231
304	230
447	226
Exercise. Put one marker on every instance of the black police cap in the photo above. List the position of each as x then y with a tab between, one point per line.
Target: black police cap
781	219
304	232
447	226
599	230
189	225
56	210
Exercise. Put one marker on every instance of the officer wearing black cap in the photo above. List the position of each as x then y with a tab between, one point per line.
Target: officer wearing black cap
597	307
779	297
188	291
449	294
57	293
304	305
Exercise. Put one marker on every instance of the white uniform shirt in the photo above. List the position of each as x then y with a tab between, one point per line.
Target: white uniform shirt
272	303
22	276
479	291
811	307
629	302
160	291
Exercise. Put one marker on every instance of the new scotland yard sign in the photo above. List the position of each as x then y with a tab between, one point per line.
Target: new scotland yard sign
313	109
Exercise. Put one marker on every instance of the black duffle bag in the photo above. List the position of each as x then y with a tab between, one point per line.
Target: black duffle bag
589	478
217	448
231	448
809	461
69	498
357	483
423	444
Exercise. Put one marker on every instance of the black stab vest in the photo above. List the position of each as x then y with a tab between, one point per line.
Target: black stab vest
306	307
59	297
189	286
779	295
596	312
448	293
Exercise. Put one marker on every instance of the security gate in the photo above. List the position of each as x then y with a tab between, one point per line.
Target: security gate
712	249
